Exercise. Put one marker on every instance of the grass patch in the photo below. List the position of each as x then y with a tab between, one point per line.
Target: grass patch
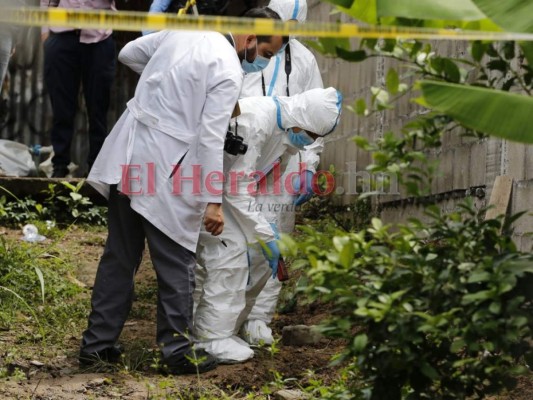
38	301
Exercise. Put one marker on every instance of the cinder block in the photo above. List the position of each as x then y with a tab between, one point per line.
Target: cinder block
286	394
300	335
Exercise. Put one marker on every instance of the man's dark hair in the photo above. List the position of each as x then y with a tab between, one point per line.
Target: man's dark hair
264	12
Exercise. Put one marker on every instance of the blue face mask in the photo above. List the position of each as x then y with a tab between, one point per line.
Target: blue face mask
300	139
283	48
257	65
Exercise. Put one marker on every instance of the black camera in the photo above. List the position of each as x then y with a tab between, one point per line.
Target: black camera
234	144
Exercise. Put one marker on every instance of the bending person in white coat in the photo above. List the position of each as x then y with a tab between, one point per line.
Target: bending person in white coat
290	72
173	129
269	126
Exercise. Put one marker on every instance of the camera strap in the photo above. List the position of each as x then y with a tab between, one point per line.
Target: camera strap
288	65
288	70
263	84
230	39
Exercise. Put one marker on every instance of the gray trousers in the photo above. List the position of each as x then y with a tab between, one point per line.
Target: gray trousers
113	288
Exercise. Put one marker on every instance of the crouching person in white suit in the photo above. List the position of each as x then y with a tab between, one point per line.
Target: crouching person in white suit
293	70
274	128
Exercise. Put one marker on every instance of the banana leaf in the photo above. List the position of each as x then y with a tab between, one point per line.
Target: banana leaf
430	13
362	10
494	112
463	10
511	15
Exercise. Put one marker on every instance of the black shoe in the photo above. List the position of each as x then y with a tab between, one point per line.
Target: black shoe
60	171
109	355
194	361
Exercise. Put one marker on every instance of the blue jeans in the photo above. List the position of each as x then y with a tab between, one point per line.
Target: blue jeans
5	52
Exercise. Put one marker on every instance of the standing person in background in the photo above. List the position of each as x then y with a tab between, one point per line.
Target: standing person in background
6	39
73	57
5	51
205	7
291	72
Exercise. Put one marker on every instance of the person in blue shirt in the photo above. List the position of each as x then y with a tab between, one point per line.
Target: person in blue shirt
205	7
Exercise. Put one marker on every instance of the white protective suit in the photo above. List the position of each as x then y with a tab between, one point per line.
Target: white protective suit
182	105
223	270
304	75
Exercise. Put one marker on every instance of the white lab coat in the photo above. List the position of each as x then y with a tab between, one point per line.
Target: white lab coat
188	88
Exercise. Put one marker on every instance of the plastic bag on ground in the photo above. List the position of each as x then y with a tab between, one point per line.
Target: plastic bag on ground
31	234
15	159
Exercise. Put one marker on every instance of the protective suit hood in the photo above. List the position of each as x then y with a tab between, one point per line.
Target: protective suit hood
290	9
316	111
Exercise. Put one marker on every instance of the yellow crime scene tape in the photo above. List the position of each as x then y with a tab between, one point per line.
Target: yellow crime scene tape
137	21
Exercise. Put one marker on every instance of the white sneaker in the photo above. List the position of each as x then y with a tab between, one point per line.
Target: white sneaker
257	332
227	350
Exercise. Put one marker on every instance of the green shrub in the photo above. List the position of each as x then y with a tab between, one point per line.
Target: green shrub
61	203
435	310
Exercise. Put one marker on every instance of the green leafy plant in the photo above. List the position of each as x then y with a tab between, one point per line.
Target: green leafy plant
466	95
436	310
68	204
62	203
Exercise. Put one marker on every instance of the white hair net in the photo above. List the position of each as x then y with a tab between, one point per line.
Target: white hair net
290	9
316	111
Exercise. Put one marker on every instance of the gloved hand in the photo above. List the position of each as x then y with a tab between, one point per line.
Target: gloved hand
272	254
275	230
303	185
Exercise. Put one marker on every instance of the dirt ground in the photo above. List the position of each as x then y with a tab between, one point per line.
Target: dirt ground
54	374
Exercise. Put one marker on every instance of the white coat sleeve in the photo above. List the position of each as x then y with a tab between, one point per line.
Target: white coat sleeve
238	191
222	95
311	155
314	79
137	53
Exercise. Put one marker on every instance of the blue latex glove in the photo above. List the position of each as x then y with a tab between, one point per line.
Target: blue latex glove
272	254
157	6
275	230
303	185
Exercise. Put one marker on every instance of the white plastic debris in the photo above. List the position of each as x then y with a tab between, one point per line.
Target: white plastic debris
15	159
31	234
